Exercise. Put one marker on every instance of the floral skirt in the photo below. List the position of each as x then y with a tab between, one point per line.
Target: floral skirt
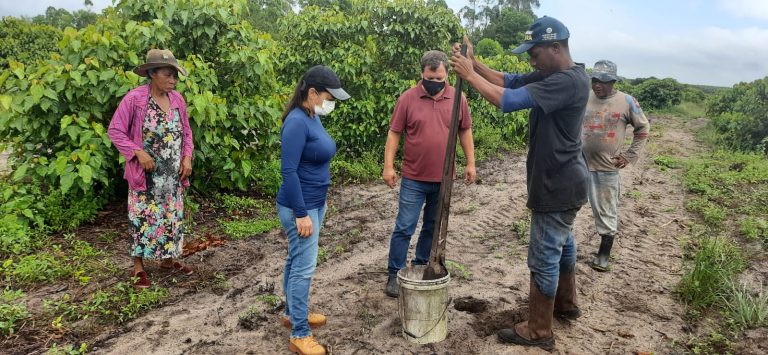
156	223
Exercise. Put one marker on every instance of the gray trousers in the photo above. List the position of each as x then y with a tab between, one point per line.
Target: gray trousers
604	198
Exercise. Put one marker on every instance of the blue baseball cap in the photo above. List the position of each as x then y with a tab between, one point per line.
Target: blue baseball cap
543	30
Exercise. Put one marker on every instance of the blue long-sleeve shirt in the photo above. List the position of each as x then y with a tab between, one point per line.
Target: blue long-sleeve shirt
306	154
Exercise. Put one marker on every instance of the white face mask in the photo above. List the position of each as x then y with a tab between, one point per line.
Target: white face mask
326	108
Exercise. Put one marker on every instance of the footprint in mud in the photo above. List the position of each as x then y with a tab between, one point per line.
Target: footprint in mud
470	304
487	324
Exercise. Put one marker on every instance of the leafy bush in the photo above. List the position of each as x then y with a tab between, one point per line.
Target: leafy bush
12	309
739	116
659	93
488	48
375	48
26	42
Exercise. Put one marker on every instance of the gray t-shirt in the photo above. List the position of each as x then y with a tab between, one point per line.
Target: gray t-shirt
558	178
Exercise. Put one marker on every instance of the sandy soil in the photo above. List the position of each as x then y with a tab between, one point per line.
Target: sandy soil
631	309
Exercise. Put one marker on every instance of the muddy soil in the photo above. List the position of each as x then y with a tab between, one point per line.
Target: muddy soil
630	309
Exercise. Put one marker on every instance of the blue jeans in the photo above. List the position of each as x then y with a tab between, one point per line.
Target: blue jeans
604	191
552	249
299	267
413	195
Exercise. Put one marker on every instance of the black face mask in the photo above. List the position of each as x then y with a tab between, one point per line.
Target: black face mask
432	87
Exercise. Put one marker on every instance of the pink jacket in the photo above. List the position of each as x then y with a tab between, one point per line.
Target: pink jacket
125	131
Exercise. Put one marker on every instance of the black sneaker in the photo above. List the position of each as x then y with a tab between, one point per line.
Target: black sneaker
393	288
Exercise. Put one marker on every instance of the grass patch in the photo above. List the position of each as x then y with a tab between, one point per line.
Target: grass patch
744	308
686	109
716	262
242	229
522	227
458	270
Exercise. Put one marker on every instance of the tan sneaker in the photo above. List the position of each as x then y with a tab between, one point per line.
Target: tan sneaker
315	320
306	346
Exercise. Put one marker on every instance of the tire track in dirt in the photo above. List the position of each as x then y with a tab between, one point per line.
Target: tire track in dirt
629	309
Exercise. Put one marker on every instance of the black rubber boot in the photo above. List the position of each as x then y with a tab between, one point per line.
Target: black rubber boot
604	254
393	288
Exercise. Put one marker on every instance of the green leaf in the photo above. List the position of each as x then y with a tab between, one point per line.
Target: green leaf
67	180
85	172
66	120
61	164
246	164
28	213
20	172
49	93
37	92
5	102
76	76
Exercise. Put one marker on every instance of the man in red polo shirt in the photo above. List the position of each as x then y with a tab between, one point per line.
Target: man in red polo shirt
423	115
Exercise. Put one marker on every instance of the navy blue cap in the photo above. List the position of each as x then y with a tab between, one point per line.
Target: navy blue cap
543	30
321	75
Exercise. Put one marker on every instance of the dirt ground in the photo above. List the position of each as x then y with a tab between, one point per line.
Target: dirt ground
630	310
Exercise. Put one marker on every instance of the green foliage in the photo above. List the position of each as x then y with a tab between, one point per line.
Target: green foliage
754	228
61	18
494	129
488	48
68	350
356	170
375	48
666	162
119	304
239	204
241	229
744	308
76	260
26	42
458	270
738	116
659	93
13	308
712	343
14	236
715	263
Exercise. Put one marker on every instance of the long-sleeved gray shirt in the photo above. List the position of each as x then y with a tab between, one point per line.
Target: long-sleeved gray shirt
605	126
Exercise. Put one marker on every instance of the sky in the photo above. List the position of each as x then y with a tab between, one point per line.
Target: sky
710	42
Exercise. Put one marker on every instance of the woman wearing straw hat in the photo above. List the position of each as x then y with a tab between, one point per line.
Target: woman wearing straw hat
151	130
306	153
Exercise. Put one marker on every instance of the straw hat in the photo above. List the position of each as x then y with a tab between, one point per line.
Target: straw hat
158	58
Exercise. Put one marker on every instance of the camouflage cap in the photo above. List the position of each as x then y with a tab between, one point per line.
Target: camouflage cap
605	71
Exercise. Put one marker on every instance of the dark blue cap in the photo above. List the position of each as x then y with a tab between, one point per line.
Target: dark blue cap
543	30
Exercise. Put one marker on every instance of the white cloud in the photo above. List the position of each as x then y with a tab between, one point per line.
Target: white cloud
33	8
712	55
757	9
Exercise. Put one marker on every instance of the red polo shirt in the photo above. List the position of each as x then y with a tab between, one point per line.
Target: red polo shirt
425	122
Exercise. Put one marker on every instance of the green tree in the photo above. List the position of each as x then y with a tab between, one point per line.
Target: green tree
659	94
508	27
54	114
739	116
263	14
61	18
26	42
488	48
375	48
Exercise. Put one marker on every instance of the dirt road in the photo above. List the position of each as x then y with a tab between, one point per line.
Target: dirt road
628	310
